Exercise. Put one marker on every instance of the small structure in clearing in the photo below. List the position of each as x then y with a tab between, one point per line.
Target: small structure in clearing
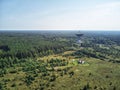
78	61
81	61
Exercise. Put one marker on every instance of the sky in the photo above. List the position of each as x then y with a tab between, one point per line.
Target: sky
60	15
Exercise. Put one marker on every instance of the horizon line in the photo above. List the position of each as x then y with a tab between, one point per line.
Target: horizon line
52	30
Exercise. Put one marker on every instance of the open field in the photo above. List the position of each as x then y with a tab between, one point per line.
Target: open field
98	74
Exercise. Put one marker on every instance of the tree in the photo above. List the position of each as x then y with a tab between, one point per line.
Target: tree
29	79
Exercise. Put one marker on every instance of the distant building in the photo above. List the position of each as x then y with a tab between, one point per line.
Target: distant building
81	61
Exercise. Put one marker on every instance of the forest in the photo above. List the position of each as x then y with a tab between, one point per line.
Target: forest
49	60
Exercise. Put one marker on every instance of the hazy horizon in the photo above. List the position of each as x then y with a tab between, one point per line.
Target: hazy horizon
68	30
102	15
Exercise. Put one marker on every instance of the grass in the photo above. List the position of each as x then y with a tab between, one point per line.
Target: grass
98	74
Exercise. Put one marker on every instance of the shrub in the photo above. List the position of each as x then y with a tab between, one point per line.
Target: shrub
29	79
13	85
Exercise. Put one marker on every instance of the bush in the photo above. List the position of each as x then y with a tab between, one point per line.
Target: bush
13	85
52	78
86	87
13	71
71	73
29	79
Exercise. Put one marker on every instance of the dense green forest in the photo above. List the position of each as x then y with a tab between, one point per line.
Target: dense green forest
44	60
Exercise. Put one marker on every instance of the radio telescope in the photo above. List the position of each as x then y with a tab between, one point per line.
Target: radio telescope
79	36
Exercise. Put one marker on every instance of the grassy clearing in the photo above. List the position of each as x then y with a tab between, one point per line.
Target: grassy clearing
100	75
94	74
